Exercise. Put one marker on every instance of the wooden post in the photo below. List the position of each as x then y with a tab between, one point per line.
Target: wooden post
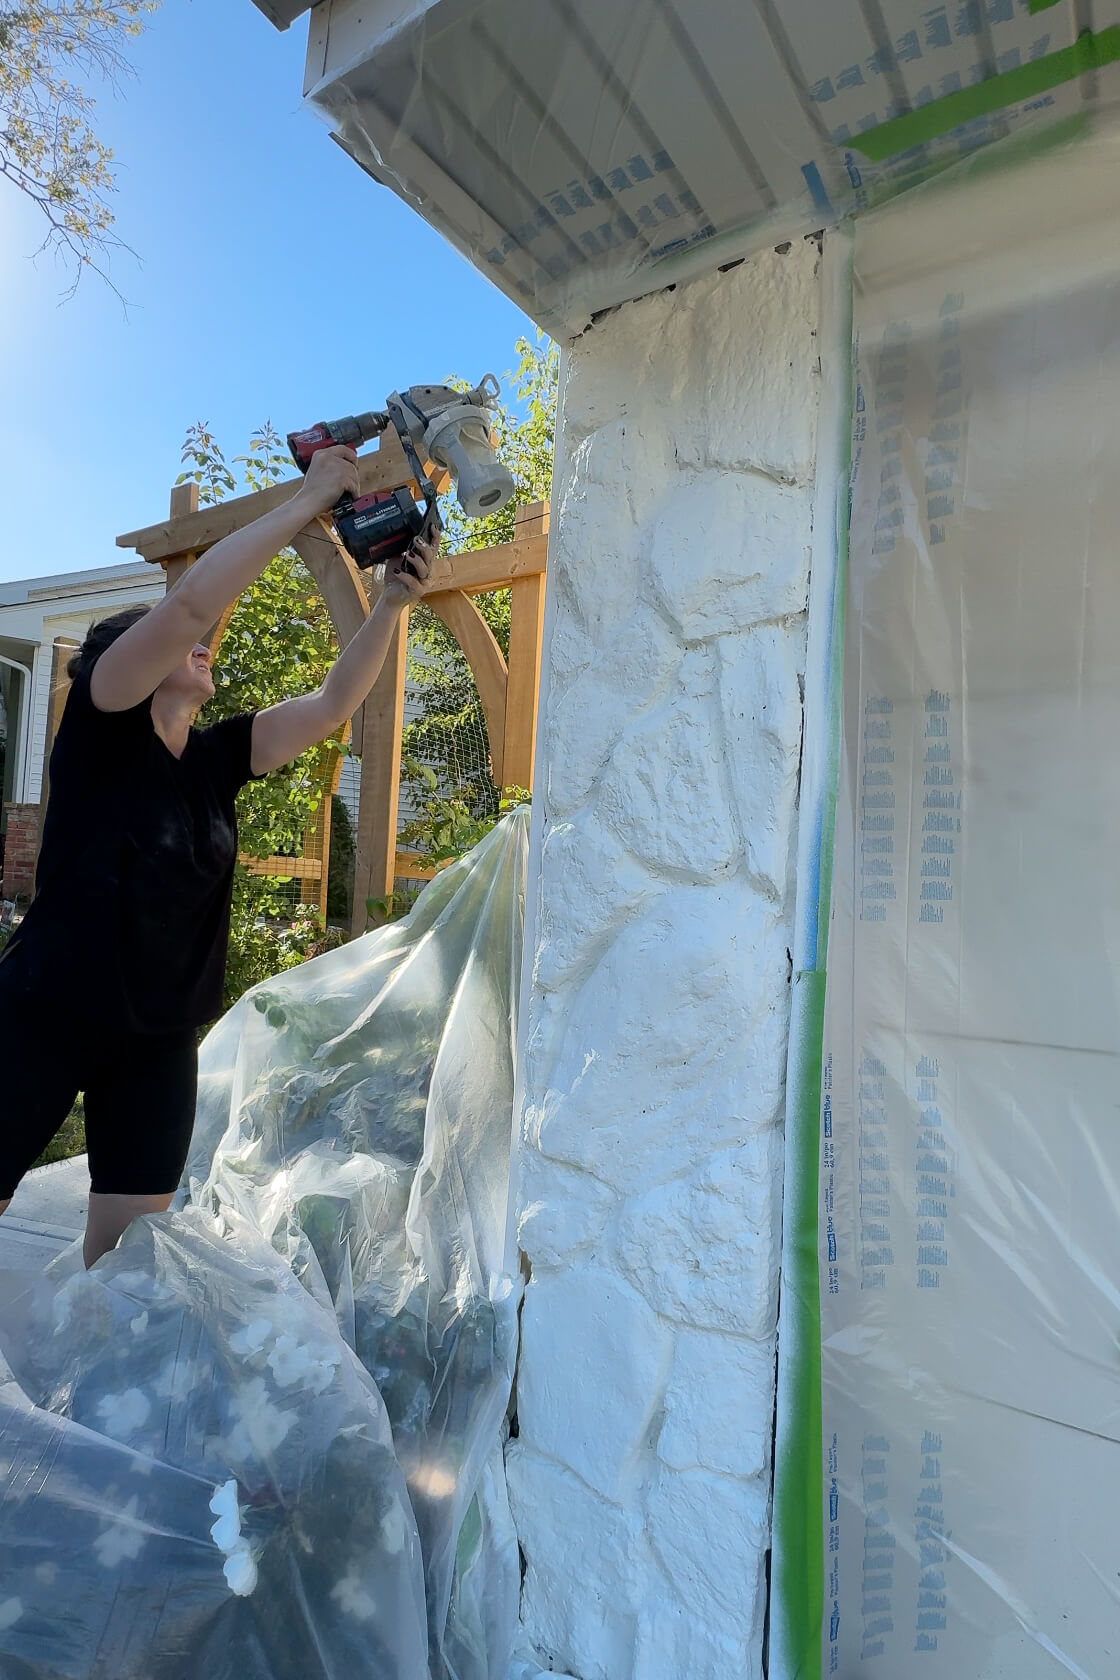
184	500
375	859
526	636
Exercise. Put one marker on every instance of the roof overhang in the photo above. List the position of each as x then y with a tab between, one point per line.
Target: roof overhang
581	153
283	12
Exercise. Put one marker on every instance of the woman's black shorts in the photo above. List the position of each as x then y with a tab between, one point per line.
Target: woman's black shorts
139	1090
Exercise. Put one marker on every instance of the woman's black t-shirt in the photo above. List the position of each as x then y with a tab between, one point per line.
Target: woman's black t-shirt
135	873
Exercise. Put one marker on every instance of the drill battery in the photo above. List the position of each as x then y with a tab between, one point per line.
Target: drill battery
377	528
373	528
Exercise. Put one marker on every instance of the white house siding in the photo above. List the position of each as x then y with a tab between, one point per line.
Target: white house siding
37	612
657	997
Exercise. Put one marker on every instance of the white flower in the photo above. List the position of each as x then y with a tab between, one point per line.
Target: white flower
120	1543
133	1283
240	1570
352	1597
252	1338
261	1425
323	1370
139	1324
226	1531
10	1612
140	1287
288	1362
123	1414
63	1305
394	1531
177	1380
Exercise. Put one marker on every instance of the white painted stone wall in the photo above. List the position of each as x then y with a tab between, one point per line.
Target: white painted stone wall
651	1149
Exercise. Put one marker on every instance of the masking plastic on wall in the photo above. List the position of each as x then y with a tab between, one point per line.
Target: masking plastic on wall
969	1166
262	1439
581	154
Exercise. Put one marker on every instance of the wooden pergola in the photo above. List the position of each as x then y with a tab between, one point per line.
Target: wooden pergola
508	692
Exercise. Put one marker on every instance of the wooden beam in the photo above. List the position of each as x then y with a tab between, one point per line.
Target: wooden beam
375	851
384	468
526	638
411	867
285	868
484	657
494	568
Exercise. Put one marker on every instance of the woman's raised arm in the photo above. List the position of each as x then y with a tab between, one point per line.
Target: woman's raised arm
136	664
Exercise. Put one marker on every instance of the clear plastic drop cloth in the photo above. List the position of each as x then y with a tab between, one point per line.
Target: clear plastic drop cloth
262	1440
581	154
969	1162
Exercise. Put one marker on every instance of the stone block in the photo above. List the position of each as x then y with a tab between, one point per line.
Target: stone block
762	713
562	1212
727	363
704	1249
710	1536
593	1366
719	1405
665	793
589	888
587	720
723	551
674	1644
586	1563
675	1044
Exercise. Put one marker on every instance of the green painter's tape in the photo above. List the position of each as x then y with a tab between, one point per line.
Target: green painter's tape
799	1477
1089	52
1043	5
799	1493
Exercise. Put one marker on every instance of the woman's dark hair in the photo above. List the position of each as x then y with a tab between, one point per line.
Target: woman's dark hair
100	636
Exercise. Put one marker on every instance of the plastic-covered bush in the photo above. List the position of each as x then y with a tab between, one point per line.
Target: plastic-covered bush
263	1438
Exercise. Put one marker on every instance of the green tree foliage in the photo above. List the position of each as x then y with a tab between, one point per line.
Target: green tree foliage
445	758
49	51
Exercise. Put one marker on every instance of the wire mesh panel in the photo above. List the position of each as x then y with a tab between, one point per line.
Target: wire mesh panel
446	783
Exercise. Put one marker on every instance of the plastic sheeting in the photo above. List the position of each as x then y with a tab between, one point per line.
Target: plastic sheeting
581	154
969	1169
262	1439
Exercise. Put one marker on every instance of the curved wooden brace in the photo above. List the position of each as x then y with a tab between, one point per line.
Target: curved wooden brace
337	576
484	657
340	585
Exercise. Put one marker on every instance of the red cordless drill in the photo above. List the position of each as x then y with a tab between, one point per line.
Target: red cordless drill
436	422
378	527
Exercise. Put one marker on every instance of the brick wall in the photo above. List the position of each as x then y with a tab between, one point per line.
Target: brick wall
21	848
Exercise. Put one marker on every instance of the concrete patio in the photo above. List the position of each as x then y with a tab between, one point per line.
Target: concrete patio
46	1215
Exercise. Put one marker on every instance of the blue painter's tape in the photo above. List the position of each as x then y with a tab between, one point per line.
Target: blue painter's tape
816	186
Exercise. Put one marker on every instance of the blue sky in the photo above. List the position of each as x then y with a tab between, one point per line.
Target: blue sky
277	282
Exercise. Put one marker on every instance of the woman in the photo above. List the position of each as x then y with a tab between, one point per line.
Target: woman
122	955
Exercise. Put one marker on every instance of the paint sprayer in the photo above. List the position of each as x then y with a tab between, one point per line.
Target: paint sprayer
434	423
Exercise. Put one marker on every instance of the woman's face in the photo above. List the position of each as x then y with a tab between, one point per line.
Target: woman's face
192	680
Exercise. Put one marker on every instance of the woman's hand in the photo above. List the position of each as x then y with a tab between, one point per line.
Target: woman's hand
282	732
332	474
412	574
